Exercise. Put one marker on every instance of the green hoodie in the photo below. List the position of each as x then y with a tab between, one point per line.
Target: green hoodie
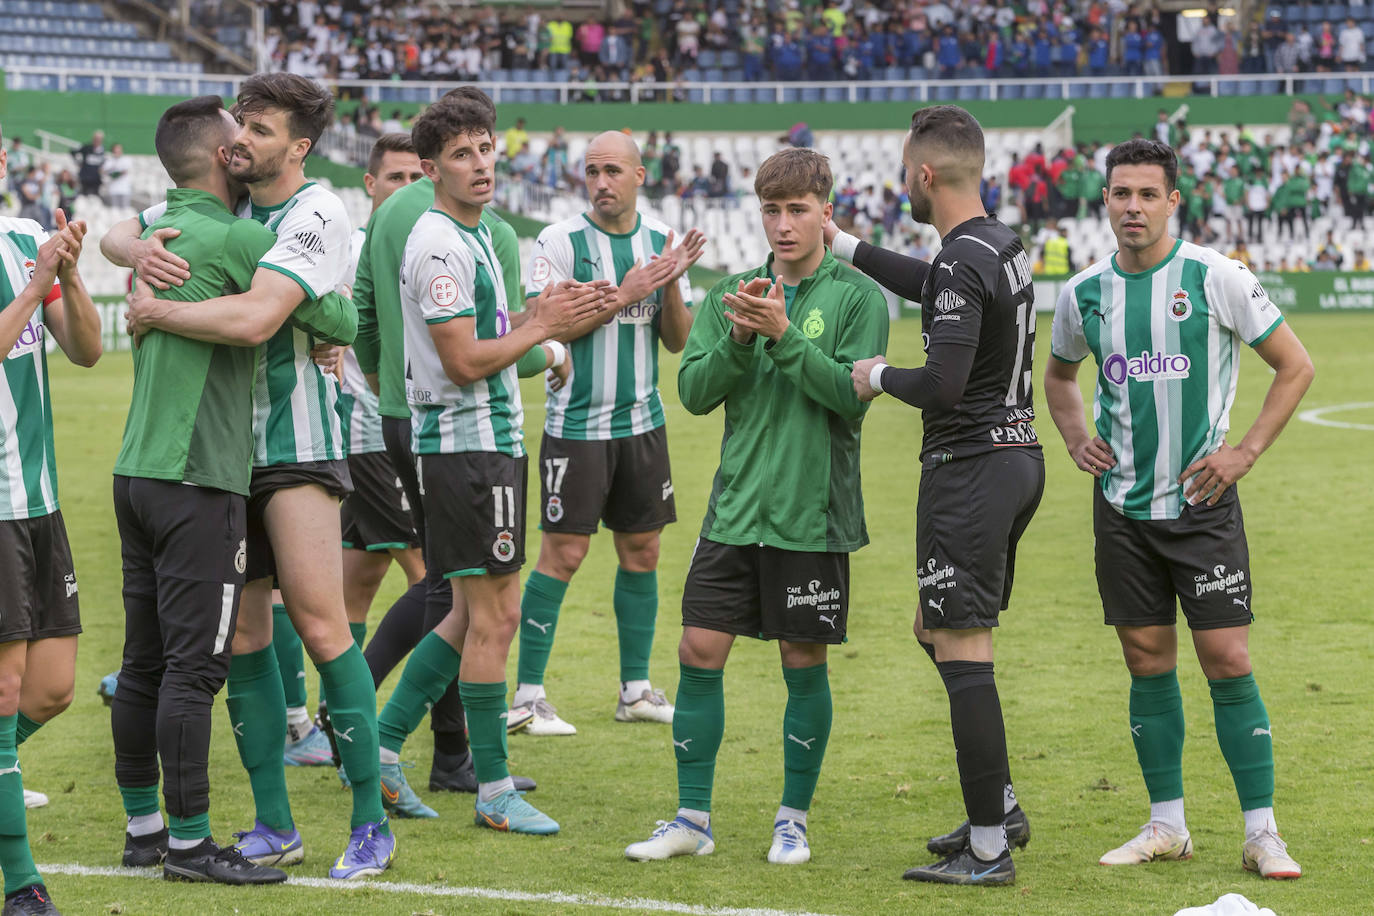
789	460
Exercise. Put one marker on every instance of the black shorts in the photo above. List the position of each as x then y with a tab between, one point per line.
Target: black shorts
1200	558
970	513
331	475
767	592
376	515
38	600
474	512
627	483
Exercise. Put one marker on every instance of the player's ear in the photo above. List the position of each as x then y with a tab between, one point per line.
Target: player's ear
369	183
639	176
827	209
430	169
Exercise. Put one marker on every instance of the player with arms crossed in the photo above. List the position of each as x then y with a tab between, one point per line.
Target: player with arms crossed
461	352
41	292
299	470
604	455
1164	319
774	345
982	470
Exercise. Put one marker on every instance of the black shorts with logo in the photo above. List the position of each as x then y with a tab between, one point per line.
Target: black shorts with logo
767	592
331	475
376	515
1200	559
627	483
970	514
474	512
38	600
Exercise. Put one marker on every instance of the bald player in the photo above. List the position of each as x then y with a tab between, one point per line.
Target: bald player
604	455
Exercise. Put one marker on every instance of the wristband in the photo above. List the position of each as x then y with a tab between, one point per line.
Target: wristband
843	246
560	353
875	377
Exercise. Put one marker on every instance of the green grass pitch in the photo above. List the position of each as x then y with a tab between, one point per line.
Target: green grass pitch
889	779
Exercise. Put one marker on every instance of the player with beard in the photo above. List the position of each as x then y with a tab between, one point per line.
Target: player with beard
982	471
299	472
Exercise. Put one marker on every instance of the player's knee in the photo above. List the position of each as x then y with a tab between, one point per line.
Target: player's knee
10	682
640	555
51	703
565	556
1225	662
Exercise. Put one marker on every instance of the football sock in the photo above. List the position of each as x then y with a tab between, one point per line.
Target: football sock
257	712
701	818
1009	801
526	694
16	861
1156	716
486	706
353	716
140	801
144	824
633	691
290	658
1258	819
790	814
987	843
188	832
1243	733
24	728
298	723
805	732
401	630
698	726
538	623
636	608
1169	813
432	666
486	791
359	633
980	742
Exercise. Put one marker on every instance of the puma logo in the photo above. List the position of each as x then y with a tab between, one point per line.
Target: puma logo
238	729
1098	313
595	262
13	769
683	743
1243	602
936	606
1135	729
541	627
949	266
442	260
323	222
806	744
1261	731
344	734
829	620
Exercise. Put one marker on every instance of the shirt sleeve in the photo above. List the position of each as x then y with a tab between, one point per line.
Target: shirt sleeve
958	291
151	215
312	245
441	278
1068	344
505	244
551	264
1241	303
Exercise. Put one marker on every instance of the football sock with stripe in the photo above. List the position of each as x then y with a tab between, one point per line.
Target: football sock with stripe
140	801
257	713
805	733
1156	717
636	609
486	706
1243	733
16	860
353	716
538	622
24	728
698	726
432	666
980	745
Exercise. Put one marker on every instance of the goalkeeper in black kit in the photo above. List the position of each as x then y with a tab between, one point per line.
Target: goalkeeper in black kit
982	471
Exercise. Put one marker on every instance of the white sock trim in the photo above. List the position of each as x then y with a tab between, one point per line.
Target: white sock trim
180	844
1169	813
1257	820
701	818
631	691
388	756
1009	800
144	824
487	791
790	814
527	693
988	842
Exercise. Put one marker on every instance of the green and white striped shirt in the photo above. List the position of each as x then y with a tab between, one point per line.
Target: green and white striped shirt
362	424
450	271
1167	345
28	467
612	391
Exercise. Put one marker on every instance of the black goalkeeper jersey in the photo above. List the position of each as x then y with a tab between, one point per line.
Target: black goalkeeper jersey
978	294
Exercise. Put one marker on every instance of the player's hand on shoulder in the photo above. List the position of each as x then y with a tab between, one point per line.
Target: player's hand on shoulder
1214	473
1093	456
155	264
861	375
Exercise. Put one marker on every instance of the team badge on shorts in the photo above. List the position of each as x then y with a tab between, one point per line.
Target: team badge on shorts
814	325
1180	306
554	510
504	548
241	557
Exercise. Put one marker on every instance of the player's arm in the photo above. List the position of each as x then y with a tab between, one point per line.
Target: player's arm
895	272
332	319
367	345
42	289
241	320
124	246
939	384
73	319
717	353
1068	349
675	318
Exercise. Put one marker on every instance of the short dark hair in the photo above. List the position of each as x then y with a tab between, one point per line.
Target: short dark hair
952	129
450	117
474	94
308	105
793	172
387	143
185	133
1145	152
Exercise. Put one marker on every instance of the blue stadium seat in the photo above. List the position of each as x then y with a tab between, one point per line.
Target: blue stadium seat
734	75
1315	13
789	94
835	94
1078	91
729	59
1054	91
713	75
1122	91
917	73
85	84
1009	90
810	94
1035	91
1333	86
1270	87
972	93
944	93
1099	90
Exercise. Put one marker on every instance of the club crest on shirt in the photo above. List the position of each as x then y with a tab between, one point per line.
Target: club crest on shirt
553	511
1180	306
814	325
504	548
30	266
241	557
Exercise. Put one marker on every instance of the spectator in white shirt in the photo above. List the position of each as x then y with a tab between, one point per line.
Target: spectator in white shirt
119	180
1351	44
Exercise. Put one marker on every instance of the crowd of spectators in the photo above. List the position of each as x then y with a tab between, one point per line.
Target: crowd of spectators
38	186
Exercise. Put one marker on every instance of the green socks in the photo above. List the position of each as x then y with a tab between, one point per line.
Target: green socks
257	712
190	828
698	726
1243	733
1157	730
538	622
805	732
353	715
290	656
139	800
16	861
486	707
24	728
432	667
636	609
359	632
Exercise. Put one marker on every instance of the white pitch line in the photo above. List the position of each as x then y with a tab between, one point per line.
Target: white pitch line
442	890
1317	417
